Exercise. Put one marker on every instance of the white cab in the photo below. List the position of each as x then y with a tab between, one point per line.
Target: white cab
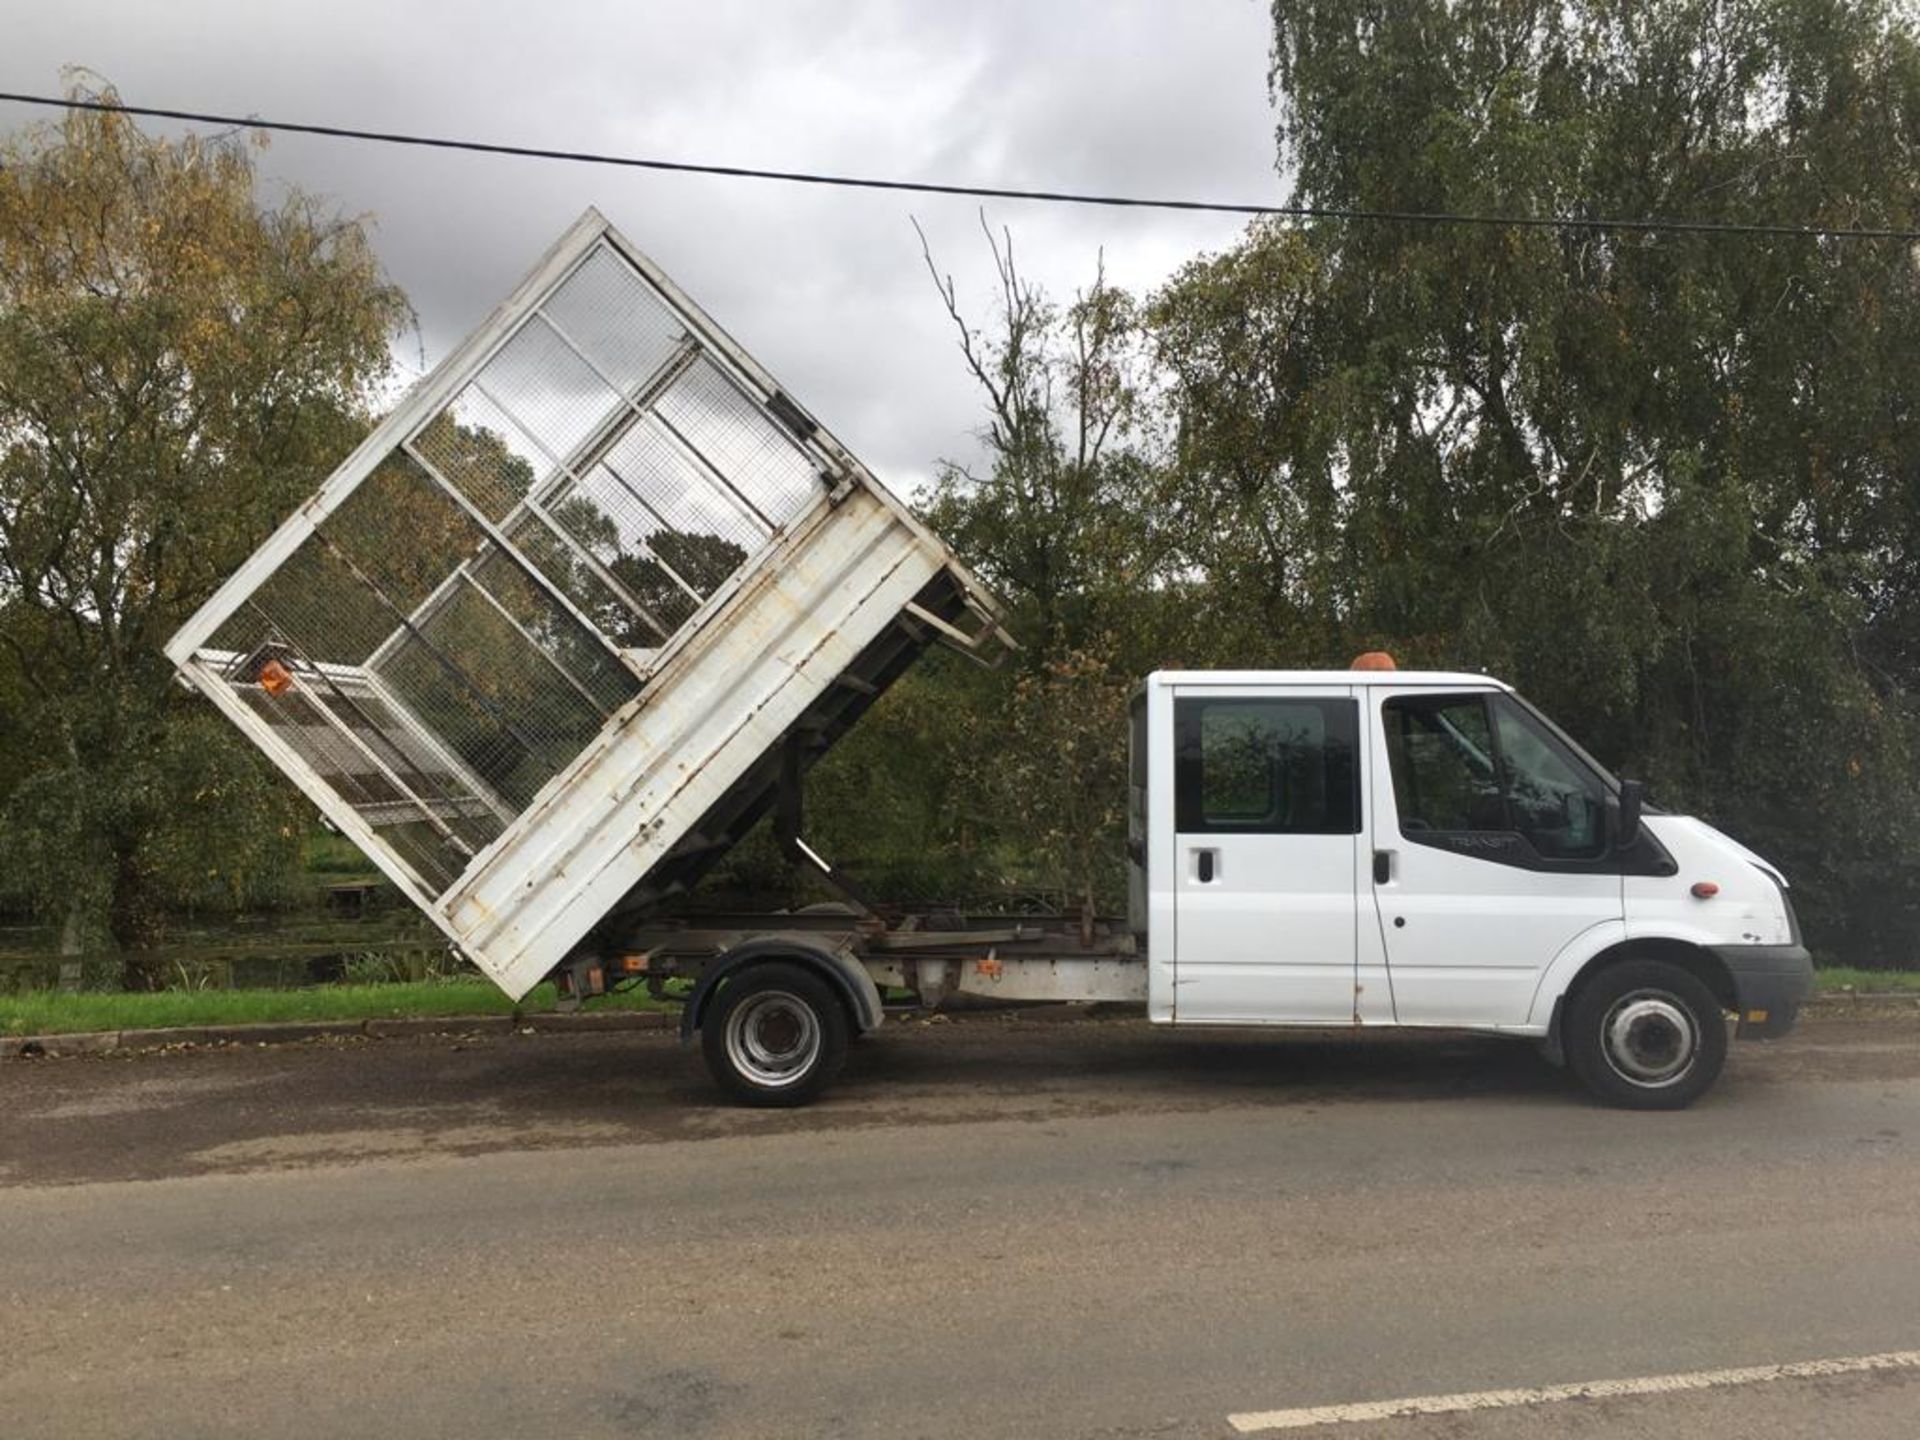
1411	848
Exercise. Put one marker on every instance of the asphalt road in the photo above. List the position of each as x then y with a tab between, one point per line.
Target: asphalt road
991	1229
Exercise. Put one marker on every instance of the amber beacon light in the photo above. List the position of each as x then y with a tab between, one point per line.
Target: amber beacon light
1373	660
275	678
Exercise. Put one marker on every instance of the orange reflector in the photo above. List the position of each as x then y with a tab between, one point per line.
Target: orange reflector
1756	1017
275	678
1705	889
633	964
1373	660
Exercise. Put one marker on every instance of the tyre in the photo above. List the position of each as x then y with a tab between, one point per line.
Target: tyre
775	1035
1646	1035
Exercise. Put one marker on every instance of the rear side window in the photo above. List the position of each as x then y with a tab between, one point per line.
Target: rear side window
1266	766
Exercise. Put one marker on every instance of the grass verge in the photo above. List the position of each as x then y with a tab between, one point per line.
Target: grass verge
1831	978
50	1012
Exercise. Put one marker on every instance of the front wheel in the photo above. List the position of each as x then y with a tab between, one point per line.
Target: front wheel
775	1035
1646	1035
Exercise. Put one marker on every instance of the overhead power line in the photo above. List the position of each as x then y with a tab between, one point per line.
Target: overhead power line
978	192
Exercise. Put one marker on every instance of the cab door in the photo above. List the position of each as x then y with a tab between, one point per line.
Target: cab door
1491	853
1267	842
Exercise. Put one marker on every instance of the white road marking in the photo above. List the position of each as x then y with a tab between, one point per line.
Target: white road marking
1259	1420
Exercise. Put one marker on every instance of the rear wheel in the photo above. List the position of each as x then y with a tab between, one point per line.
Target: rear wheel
1646	1035
775	1035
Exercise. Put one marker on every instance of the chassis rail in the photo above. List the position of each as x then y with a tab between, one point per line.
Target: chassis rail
937	955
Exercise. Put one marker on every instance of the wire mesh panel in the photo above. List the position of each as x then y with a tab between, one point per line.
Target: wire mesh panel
493	588
615	320
420	669
734	438
618	456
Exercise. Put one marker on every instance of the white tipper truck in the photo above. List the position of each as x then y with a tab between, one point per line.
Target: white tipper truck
586	606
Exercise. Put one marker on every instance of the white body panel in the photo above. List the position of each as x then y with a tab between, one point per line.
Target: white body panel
1748	910
1270	938
1467	940
1162	850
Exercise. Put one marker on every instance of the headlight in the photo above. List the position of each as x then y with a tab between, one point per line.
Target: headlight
1786	902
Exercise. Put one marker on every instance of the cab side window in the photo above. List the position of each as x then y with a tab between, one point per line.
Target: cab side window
1466	765
1554	800
1441	751
1266	767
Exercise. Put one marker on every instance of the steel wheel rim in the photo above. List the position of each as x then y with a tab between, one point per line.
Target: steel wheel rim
773	1039
1650	1039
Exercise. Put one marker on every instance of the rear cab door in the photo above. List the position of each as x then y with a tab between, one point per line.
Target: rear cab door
1267	847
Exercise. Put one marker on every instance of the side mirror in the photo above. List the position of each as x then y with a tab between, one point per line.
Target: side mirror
1626	819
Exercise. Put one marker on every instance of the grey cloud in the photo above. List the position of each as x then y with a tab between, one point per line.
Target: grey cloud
827	288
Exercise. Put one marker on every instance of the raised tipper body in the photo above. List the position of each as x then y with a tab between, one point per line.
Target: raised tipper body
537	645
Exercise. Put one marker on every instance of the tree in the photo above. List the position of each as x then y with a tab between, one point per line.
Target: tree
1256	490
1068	522
179	366
1666	482
1056	520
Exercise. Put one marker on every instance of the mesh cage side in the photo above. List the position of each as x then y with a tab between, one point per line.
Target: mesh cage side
349	769
626	617
698	523
492	699
760	461
610	312
552	395
606	520
462	626
475	447
429	680
618	458
359	745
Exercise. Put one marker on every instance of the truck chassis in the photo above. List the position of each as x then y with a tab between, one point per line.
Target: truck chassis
780	1040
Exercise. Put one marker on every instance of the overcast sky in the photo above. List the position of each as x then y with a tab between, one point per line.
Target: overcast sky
826	287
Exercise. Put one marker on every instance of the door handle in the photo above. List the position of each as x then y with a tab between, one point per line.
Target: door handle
1383	867
1203	866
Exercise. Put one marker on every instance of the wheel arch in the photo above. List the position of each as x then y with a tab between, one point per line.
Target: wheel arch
847	978
1688	955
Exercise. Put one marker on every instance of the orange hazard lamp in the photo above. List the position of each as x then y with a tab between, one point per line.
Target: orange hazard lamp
275	678
1373	660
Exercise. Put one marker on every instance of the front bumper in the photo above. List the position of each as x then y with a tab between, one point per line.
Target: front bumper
1769	984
